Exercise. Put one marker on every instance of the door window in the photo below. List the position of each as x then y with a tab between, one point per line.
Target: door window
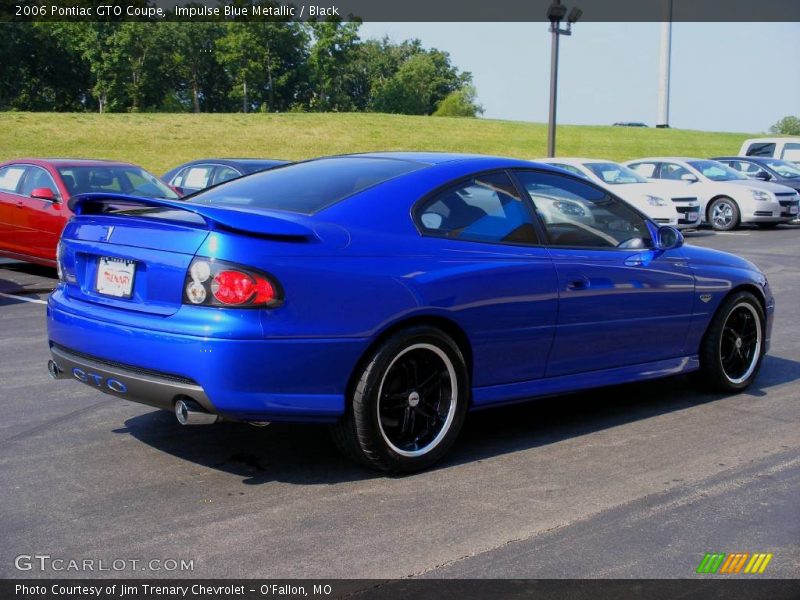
10	178
645	169
225	174
38	178
791	151
674	171
486	208
576	214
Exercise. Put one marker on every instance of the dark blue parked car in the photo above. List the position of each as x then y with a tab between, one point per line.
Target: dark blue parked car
197	175
388	294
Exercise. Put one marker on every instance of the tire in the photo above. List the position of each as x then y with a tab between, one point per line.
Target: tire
767	225
723	214
408	403
733	346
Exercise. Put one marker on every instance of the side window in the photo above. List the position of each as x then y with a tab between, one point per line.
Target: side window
645	169
177	179
38	178
225	174
791	152
486	208
760	149
674	171
197	178
10	178
576	214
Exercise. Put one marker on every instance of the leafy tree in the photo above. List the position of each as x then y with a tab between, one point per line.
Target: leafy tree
332	76
198	78
420	83
787	126
266	63
460	103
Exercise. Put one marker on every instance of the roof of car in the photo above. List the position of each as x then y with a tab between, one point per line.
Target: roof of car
572	160
430	158
750	158
72	162
235	161
781	138
663	158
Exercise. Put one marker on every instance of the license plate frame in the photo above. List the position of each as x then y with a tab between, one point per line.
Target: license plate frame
115	277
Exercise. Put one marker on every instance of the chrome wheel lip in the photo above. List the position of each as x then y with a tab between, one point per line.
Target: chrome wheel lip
451	371
756	351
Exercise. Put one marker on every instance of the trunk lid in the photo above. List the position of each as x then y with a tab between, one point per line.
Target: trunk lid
133	253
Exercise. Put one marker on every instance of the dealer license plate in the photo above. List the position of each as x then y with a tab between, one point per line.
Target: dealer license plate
115	277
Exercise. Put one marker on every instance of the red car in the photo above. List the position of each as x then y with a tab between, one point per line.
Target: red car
34	195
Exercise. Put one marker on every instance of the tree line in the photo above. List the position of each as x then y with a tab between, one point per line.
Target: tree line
224	67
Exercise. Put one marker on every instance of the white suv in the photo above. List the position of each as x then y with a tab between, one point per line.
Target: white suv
727	197
665	202
784	148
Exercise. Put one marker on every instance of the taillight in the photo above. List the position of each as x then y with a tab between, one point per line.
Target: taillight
212	282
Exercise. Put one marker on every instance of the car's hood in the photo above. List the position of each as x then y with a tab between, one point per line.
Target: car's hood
767	186
706	256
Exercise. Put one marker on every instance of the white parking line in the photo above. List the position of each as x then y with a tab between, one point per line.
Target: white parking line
23	298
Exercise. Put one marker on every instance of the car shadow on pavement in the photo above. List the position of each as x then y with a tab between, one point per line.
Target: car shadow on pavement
305	455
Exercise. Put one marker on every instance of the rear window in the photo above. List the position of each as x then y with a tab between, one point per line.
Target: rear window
306	187
761	149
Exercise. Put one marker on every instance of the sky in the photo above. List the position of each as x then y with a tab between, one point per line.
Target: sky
740	77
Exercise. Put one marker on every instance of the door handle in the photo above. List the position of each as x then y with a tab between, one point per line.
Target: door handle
20	204
579	284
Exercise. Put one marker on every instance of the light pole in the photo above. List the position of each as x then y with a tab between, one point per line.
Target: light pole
555	15
664	67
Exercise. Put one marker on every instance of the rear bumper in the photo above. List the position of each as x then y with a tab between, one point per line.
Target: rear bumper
277	379
125	381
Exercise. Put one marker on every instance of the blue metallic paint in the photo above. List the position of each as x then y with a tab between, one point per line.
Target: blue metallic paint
365	270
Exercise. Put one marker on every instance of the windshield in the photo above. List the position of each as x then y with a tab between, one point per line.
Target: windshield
614	174
116	179
308	186
784	169
716	171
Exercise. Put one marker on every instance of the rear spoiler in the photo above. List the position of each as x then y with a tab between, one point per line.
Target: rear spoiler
216	218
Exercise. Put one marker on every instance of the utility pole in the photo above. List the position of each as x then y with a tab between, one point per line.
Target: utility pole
556	14
664	67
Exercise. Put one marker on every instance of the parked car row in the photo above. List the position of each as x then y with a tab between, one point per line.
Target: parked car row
677	191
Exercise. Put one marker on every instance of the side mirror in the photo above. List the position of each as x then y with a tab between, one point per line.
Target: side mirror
44	194
762	175
688	177
668	238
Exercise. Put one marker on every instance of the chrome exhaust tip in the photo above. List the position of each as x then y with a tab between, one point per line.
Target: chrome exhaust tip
189	412
54	370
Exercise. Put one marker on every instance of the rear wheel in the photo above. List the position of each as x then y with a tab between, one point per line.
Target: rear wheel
409	402
723	214
733	347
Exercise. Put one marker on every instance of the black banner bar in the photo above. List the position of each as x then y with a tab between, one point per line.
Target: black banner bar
711	588
398	10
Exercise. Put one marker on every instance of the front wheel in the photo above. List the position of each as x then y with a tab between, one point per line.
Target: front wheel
409	402
733	347
724	214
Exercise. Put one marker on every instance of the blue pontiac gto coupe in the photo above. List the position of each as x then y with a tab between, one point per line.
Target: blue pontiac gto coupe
388	294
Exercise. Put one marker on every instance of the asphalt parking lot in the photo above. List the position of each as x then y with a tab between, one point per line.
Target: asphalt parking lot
633	481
